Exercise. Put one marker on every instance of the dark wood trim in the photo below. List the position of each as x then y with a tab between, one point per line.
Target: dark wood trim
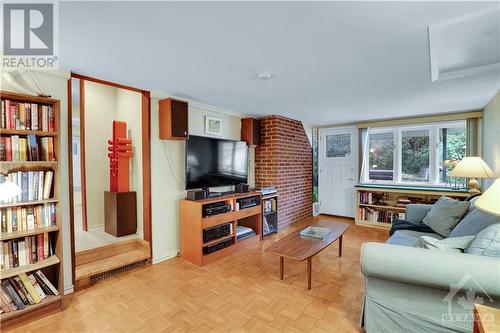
146	156
83	176
146	168
70	180
107	83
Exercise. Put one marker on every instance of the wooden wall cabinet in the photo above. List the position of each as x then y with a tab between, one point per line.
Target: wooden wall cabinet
174	123
250	131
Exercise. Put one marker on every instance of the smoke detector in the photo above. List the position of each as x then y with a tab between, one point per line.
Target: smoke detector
264	76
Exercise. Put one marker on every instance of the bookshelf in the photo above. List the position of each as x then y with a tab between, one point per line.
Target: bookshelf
378	205
270	214
42	204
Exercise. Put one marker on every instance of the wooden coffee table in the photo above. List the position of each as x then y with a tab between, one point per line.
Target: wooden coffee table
301	248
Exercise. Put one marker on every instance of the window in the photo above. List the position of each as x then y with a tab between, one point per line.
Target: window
382	156
419	154
338	145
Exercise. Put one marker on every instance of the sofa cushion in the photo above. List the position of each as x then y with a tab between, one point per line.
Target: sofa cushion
445	214
487	242
409	237
452	244
474	222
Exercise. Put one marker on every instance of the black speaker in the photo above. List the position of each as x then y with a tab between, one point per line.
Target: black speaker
196	195
241	188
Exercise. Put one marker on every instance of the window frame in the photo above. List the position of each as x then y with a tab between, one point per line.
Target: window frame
434	164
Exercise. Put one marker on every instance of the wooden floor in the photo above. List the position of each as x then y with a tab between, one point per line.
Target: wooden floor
241	292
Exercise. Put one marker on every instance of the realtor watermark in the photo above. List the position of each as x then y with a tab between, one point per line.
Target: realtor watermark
30	35
461	299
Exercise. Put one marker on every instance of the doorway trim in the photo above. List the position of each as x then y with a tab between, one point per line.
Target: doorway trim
146	157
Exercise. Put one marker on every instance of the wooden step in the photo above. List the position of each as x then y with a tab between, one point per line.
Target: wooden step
90	263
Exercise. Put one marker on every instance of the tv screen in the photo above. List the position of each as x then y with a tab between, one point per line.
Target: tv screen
212	162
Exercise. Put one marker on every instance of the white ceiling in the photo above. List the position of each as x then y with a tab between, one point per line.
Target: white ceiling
331	62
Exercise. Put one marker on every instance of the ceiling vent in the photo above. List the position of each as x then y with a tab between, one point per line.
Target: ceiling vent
465	46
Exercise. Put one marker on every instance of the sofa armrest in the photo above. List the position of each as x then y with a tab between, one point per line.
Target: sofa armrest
431	268
416	212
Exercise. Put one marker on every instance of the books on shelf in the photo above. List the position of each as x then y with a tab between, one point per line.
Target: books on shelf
28	218
26	250
20	291
27	116
269	205
382	216
21	149
35	185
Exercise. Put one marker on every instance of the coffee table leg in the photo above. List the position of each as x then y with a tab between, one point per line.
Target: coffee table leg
309	272
282	267
340	246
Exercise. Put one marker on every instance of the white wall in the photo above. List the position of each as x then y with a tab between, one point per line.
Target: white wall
103	105
491	136
53	83
167	173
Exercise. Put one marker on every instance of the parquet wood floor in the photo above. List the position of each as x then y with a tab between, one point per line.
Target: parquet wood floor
241	292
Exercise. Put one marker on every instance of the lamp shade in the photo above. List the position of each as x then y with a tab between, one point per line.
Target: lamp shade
472	167
489	201
9	190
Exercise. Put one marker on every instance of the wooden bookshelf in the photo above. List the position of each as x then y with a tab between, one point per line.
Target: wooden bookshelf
192	225
385	198
51	266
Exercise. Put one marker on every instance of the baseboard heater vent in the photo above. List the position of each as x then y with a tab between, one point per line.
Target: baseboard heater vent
116	271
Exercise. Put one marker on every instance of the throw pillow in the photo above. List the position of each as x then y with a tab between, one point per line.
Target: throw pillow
445	214
487	242
452	244
474	222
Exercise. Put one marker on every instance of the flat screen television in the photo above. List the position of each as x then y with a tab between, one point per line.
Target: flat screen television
212	162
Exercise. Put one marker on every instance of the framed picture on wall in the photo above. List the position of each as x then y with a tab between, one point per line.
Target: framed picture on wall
213	126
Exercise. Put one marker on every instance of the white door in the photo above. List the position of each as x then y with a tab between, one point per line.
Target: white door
338	160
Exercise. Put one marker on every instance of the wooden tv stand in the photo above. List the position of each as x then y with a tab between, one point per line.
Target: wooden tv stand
193	223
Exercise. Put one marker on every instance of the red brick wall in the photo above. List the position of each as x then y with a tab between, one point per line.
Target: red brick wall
284	159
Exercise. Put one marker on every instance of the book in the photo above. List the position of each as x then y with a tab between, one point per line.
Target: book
33	148
29	287
37	287
47	186
315	232
47	282
19	291
9	289
21	286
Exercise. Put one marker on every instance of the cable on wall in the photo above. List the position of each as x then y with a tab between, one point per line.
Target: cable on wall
179	183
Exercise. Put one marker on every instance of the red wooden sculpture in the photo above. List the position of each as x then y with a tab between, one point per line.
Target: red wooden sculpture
120	152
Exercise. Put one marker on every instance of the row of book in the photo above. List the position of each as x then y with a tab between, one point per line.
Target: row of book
20	149
23	290
383	216
35	185
269	205
28	218
25	251
28	116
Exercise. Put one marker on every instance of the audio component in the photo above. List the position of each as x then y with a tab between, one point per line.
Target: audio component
196	195
241	188
216	247
215	208
248	202
219	231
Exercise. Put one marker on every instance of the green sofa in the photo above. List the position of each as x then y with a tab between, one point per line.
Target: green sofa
409	289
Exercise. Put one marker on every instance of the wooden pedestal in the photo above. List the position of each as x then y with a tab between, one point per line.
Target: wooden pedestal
120	213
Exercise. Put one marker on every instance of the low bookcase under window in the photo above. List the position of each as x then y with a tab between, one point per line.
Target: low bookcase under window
30	239
378	206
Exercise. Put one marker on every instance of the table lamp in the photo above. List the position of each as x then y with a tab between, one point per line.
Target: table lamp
472	167
489	200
